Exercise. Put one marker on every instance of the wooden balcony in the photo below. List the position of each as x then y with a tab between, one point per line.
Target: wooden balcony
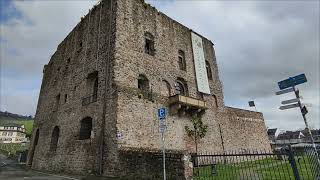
186	105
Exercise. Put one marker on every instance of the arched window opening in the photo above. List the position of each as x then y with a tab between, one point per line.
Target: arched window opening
182	60
165	88
93	82
36	138
149	44
85	128
209	72
181	87
143	83
92	89
54	138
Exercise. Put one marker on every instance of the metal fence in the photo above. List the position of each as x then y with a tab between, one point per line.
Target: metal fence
287	163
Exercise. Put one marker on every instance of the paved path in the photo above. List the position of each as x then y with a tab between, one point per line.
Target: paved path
11	170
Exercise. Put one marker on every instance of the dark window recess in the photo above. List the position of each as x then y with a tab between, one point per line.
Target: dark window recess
181	87
182	60
85	128
209	72
57	102
92	88
143	85
54	138
36	137
149	44
65	98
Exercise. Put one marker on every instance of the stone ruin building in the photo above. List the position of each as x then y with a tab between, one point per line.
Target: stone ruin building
102	86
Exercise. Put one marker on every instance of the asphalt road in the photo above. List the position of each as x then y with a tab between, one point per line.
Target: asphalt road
11	170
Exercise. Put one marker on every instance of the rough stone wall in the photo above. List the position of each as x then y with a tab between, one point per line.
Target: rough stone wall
126	120
149	165
66	73
243	130
136	121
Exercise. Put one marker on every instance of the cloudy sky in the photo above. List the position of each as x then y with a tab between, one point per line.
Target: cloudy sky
257	44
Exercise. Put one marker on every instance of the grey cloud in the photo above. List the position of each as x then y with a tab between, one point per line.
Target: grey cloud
258	43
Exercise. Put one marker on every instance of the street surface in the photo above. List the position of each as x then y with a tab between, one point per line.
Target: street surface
11	170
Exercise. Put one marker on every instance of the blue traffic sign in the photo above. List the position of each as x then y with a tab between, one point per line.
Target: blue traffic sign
162	113
292	81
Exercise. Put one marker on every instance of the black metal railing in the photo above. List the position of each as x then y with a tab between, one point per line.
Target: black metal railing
288	163
89	99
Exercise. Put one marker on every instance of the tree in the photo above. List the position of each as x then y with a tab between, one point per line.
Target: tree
199	130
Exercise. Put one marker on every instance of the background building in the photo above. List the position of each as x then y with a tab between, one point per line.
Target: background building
12	133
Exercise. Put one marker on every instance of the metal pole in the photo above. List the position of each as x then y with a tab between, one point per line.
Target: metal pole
306	123
163	156
304	116
293	163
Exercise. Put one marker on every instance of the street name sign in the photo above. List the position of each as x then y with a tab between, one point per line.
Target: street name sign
289	106
284	91
292	81
290	101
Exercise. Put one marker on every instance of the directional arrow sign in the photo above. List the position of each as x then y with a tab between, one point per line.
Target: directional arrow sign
284	91
290	101
289	106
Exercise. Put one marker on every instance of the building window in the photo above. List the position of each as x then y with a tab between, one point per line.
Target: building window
149	44
56	106
165	88
209	72
182	60
92	82
181	87
65	98
85	128
143	83
36	137
54	138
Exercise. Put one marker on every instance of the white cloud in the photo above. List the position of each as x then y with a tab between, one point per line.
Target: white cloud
27	44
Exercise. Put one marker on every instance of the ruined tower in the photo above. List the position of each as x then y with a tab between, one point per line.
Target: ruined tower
102	86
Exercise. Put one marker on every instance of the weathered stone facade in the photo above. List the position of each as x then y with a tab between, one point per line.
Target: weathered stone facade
108	46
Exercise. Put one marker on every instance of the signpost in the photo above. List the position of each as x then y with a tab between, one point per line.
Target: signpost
290	101
162	113
288	85
289	106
